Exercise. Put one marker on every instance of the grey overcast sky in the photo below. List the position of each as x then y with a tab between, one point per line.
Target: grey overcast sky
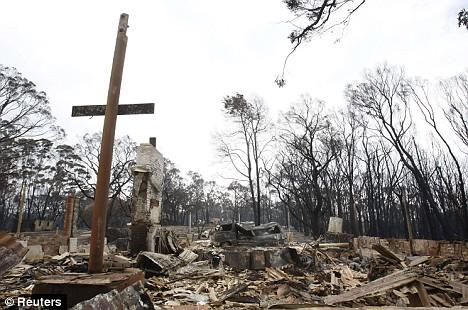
187	55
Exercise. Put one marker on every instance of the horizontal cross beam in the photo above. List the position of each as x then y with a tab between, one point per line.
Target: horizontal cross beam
123	109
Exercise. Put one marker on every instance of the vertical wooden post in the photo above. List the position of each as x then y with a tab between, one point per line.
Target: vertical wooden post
98	228
190	222
409	227
76	208
21	208
354	213
68	216
289	234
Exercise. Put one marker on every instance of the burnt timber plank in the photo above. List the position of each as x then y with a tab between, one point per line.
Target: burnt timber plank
232	291
123	109
388	255
422	293
390	281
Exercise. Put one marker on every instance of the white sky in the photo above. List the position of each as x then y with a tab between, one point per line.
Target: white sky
187	55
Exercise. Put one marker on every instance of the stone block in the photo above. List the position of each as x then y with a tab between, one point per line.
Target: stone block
257	260
73	245
420	247
404	247
335	225
433	248
34	254
237	259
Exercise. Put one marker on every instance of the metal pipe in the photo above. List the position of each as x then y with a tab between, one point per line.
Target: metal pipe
98	228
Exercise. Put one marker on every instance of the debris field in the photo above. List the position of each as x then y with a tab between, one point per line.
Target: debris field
317	273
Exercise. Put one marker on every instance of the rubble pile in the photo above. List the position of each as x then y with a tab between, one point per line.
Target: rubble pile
312	274
320	275
20	280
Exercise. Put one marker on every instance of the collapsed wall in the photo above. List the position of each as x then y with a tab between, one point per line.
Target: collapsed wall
363	245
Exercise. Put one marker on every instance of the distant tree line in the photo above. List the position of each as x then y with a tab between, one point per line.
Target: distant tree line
397	137
208	203
36	167
37	170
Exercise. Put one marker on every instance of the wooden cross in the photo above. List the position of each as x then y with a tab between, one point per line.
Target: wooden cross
110	112
122	109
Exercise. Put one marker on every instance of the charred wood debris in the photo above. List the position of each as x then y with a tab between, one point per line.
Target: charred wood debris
321	273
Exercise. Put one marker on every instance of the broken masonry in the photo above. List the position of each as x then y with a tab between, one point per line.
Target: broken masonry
147	196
